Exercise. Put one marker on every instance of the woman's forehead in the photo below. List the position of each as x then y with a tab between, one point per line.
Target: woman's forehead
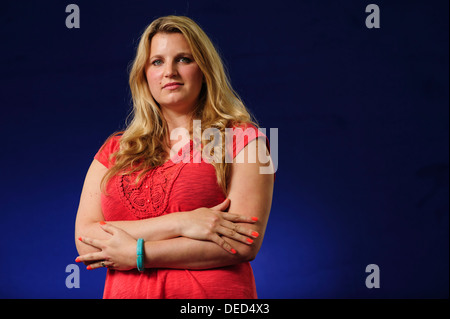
168	43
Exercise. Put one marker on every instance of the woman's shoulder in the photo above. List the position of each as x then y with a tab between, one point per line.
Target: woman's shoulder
112	143
110	146
244	125
247	129
241	134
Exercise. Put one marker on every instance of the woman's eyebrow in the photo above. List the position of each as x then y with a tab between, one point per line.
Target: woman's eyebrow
155	56
178	54
184	53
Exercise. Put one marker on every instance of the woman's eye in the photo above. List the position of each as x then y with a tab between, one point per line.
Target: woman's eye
185	60
157	62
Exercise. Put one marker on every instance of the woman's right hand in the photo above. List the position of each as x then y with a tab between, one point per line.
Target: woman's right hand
215	223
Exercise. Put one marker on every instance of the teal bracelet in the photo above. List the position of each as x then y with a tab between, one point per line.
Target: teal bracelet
140	254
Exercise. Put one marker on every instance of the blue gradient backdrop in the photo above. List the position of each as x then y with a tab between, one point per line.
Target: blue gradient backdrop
362	116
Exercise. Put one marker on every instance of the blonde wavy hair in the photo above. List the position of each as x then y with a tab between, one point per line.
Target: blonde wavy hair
144	142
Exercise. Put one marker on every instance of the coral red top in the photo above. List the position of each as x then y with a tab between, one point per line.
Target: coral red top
172	187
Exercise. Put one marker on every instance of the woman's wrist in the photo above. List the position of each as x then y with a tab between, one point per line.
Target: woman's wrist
140	254
178	223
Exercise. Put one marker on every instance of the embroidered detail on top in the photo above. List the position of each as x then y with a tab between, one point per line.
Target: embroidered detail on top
150	196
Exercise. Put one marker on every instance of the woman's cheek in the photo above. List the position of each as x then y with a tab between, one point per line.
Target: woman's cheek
154	86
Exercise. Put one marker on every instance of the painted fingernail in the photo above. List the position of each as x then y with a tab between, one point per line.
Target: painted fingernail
255	219
255	234
79	238
77	260
89	267
102	223
233	251
249	240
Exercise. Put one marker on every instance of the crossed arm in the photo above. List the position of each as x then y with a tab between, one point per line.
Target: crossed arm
199	239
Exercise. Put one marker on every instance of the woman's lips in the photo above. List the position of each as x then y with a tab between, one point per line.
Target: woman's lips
172	86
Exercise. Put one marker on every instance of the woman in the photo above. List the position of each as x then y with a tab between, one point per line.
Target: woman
189	223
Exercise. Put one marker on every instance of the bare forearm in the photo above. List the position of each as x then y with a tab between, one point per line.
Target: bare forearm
158	228
186	253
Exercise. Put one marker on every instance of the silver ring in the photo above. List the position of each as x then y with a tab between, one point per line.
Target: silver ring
103	264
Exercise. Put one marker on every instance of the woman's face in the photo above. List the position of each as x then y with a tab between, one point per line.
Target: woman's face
173	77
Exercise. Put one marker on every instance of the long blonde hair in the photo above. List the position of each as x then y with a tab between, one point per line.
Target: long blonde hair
143	143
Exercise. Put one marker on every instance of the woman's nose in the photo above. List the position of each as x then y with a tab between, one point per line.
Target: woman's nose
170	70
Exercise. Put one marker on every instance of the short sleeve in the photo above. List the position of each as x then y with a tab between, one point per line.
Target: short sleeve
244	134
111	145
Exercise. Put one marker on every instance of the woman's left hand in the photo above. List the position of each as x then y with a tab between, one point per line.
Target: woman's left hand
118	252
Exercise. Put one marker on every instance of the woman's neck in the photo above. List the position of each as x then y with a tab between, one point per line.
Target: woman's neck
177	120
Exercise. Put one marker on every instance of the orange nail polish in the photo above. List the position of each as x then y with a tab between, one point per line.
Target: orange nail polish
255	219
249	240
79	238
77	260
102	223
233	251
89	267
255	234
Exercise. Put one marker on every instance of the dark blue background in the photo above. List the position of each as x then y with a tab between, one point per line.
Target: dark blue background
362	116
